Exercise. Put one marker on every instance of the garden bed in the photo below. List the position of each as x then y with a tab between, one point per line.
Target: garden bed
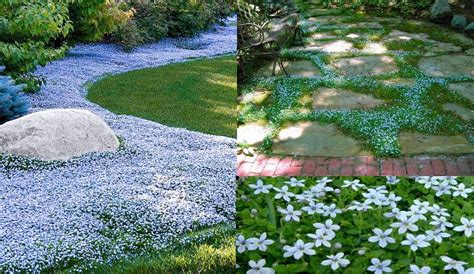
99	208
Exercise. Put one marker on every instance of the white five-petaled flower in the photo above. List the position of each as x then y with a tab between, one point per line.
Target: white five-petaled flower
415	242
321	237
259	268
428	182
324	180
336	261
437	235
417	270
450	179
423	207
241	244
461	190
358	206
379	267
355	184
260	243
392	200
406	223
290	213
373	197
283	193
382	237
260	187
418	212
331	211
440	222
392	180
328	227
439	211
313	208
453	264
299	249
467	226
395	213
442	189
293	182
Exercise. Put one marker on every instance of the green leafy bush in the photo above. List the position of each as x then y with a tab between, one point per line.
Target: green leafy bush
382	6
34	33
12	103
352	225
170	18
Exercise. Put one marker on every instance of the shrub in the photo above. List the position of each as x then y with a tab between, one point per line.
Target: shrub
170	18
382	6
34	33
13	103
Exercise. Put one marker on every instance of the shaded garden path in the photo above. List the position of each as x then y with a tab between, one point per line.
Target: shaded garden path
365	96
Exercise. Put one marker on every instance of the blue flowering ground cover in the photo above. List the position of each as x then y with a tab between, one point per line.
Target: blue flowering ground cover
99	208
410	108
355	225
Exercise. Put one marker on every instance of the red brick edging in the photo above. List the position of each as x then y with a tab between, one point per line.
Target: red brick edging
262	165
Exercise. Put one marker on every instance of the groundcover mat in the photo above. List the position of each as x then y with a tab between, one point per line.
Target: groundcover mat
98	208
410	77
355	225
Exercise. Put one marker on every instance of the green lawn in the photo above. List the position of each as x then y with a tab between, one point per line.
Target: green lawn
216	254
198	95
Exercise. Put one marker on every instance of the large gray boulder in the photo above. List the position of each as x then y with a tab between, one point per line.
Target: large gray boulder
57	134
459	21
440	10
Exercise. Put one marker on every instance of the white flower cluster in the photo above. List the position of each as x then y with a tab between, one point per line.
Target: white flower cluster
303	200
99	208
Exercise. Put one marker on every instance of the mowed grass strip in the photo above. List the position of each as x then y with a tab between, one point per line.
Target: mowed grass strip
198	95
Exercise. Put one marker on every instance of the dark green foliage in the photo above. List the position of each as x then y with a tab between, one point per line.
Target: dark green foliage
34	33
170	18
13	103
382	6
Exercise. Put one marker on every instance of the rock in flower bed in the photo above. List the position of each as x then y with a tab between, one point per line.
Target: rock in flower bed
98	208
355	225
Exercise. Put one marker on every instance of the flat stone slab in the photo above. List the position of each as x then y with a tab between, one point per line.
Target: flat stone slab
437	47
465	89
405	36
302	68
256	97
366	65
333	98
325	19
447	65
464	113
400	81
375	48
339	46
315	139
323	35
252	133
366	25
417	143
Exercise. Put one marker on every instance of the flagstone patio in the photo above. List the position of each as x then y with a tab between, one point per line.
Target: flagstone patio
380	88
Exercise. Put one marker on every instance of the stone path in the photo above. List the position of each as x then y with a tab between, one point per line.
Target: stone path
375	76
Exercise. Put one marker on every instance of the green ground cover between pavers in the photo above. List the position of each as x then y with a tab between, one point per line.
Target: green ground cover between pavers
416	108
198	95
